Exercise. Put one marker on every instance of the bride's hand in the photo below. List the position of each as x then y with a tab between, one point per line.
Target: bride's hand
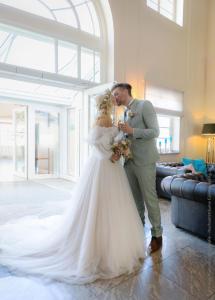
115	157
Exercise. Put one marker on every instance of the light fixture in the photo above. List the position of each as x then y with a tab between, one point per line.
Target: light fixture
209	131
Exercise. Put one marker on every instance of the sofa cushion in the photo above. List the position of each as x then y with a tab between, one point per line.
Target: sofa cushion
198	164
187	161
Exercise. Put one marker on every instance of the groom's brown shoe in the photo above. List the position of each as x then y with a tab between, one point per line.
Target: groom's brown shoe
155	244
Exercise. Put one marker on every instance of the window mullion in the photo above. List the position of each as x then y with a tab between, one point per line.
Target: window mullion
94	31
171	133
56	57
159	6
94	66
175	4
173	13
79	61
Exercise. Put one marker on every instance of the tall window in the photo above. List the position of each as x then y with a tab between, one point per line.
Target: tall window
27	49
50	51
169	107
51	46
171	9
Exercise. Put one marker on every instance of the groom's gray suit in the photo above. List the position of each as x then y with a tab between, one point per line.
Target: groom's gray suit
141	170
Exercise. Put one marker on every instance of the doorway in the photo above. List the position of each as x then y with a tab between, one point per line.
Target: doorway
46	143
13	142
29	141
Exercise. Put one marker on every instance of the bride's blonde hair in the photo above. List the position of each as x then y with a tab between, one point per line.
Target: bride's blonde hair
104	106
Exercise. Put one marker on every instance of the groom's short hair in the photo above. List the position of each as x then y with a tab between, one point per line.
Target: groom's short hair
126	86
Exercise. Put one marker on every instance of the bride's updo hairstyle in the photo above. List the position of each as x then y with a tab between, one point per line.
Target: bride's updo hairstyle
104	106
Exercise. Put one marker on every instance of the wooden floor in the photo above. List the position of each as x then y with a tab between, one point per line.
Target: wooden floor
183	269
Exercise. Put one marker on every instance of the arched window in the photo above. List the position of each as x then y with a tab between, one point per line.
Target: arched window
31	50
51	52
33	36
79	14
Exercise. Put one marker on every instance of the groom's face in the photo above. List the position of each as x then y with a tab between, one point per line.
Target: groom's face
120	95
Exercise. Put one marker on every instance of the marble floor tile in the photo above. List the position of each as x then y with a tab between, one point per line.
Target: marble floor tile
26	288
146	285
192	270
212	297
59	184
183	269
19	199
201	245
170	247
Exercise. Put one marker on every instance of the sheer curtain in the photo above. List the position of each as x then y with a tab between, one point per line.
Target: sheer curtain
165	99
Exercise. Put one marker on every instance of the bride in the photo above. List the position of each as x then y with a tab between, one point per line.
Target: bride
100	235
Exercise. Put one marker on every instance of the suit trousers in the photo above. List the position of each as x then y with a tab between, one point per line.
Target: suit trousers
142	182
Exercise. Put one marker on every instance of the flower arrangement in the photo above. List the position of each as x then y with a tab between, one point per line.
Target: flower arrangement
131	114
122	148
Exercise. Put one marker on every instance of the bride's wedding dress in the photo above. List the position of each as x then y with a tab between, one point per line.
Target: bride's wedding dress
100	235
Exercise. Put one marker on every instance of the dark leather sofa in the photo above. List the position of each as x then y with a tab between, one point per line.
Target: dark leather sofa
192	203
163	170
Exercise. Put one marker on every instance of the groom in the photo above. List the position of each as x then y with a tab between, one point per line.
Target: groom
141	127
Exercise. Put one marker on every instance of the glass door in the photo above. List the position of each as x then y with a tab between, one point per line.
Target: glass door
75	122
74	117
46	143
20	141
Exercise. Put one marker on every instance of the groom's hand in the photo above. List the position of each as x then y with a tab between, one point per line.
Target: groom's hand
126	128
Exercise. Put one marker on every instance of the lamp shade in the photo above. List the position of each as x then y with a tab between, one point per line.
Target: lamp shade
208	129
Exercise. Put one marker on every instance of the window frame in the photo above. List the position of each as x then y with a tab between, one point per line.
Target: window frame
168	113
174	16
68	6
32	23
168	147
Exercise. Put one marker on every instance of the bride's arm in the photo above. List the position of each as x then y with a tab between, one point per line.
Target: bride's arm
94	136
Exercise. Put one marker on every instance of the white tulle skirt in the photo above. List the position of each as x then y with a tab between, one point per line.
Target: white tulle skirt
100	236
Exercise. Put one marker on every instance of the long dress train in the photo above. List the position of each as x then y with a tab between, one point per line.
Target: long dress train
100	235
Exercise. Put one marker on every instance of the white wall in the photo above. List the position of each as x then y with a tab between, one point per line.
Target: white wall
150	47
210	76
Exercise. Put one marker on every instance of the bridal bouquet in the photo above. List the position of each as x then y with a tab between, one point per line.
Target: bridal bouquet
122	148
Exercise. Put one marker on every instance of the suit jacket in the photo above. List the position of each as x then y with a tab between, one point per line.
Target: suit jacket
142	117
